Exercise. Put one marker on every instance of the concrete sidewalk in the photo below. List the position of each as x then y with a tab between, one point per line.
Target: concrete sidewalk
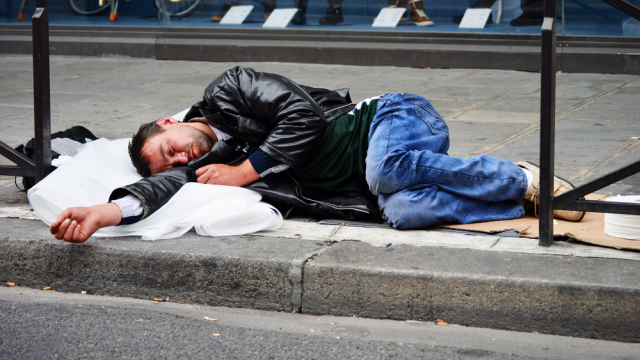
568	289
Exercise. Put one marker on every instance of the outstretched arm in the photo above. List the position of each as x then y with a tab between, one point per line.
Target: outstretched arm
77	224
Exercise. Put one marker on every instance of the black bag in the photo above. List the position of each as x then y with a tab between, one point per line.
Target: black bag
76	133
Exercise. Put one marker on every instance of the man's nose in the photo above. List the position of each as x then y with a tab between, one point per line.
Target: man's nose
180	158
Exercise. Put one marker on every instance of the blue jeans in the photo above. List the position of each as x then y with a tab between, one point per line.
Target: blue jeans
418	185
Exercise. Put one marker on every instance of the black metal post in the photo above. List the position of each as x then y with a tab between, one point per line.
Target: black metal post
41	90
547	123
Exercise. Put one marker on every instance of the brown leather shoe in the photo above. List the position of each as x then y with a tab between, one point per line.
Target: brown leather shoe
418	16
560	186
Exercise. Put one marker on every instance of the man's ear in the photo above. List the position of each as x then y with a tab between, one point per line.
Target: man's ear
166	121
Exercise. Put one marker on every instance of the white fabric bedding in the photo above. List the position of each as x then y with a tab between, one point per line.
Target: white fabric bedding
100	167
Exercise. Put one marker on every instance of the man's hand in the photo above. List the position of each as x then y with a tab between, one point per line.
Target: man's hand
77	224
218	174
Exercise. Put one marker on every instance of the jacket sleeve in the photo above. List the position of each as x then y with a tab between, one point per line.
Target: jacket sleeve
267	109
157	189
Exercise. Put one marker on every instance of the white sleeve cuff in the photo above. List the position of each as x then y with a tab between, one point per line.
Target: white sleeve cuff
129	206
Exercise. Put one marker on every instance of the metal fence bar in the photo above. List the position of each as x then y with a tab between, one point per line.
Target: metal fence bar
565	199
547	123
571	200
626	7
41	90
26	167
42	106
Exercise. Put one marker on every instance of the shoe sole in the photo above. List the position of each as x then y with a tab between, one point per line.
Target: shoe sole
426	23
568	182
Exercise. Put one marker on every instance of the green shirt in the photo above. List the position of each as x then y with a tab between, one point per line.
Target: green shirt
338	161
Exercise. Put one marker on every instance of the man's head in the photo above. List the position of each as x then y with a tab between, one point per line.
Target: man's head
165	143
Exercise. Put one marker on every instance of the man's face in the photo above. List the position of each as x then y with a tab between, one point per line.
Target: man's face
177	145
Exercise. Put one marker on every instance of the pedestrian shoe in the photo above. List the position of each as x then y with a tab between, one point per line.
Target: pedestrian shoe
528	19
418	16
332	17
560	186
217	17
269	6
299	18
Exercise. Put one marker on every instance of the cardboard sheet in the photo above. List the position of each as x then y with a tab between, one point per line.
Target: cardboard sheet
589	230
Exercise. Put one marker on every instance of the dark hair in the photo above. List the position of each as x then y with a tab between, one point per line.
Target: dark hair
141	161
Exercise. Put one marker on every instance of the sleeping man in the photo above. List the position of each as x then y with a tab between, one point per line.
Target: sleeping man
311	151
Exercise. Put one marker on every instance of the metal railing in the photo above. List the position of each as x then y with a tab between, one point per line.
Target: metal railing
571	200
26	167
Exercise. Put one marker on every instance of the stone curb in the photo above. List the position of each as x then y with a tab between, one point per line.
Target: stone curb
562	295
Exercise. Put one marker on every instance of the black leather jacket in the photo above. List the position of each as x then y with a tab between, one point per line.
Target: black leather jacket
284	119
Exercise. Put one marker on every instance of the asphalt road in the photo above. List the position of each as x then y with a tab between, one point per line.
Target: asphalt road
46	324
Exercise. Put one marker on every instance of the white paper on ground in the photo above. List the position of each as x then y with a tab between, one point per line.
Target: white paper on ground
389	17
280	18
90	177
236	15
475	18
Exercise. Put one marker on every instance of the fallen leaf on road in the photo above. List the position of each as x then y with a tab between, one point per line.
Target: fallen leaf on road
158	300
441	322
46	288
11	284
210	319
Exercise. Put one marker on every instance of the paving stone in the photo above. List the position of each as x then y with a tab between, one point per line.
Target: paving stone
628	186
151	94
610	107
451	104
506	79
463	92
94	107
336	72
430	75
489	116
481	134
277	68
95	66
578	143
26	79
381	86
527	104
9	89
13	64
574	88
9	111
632	89
98	84
19	129
171	69
25	98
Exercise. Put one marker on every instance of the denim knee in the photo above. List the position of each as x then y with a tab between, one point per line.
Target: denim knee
385	176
